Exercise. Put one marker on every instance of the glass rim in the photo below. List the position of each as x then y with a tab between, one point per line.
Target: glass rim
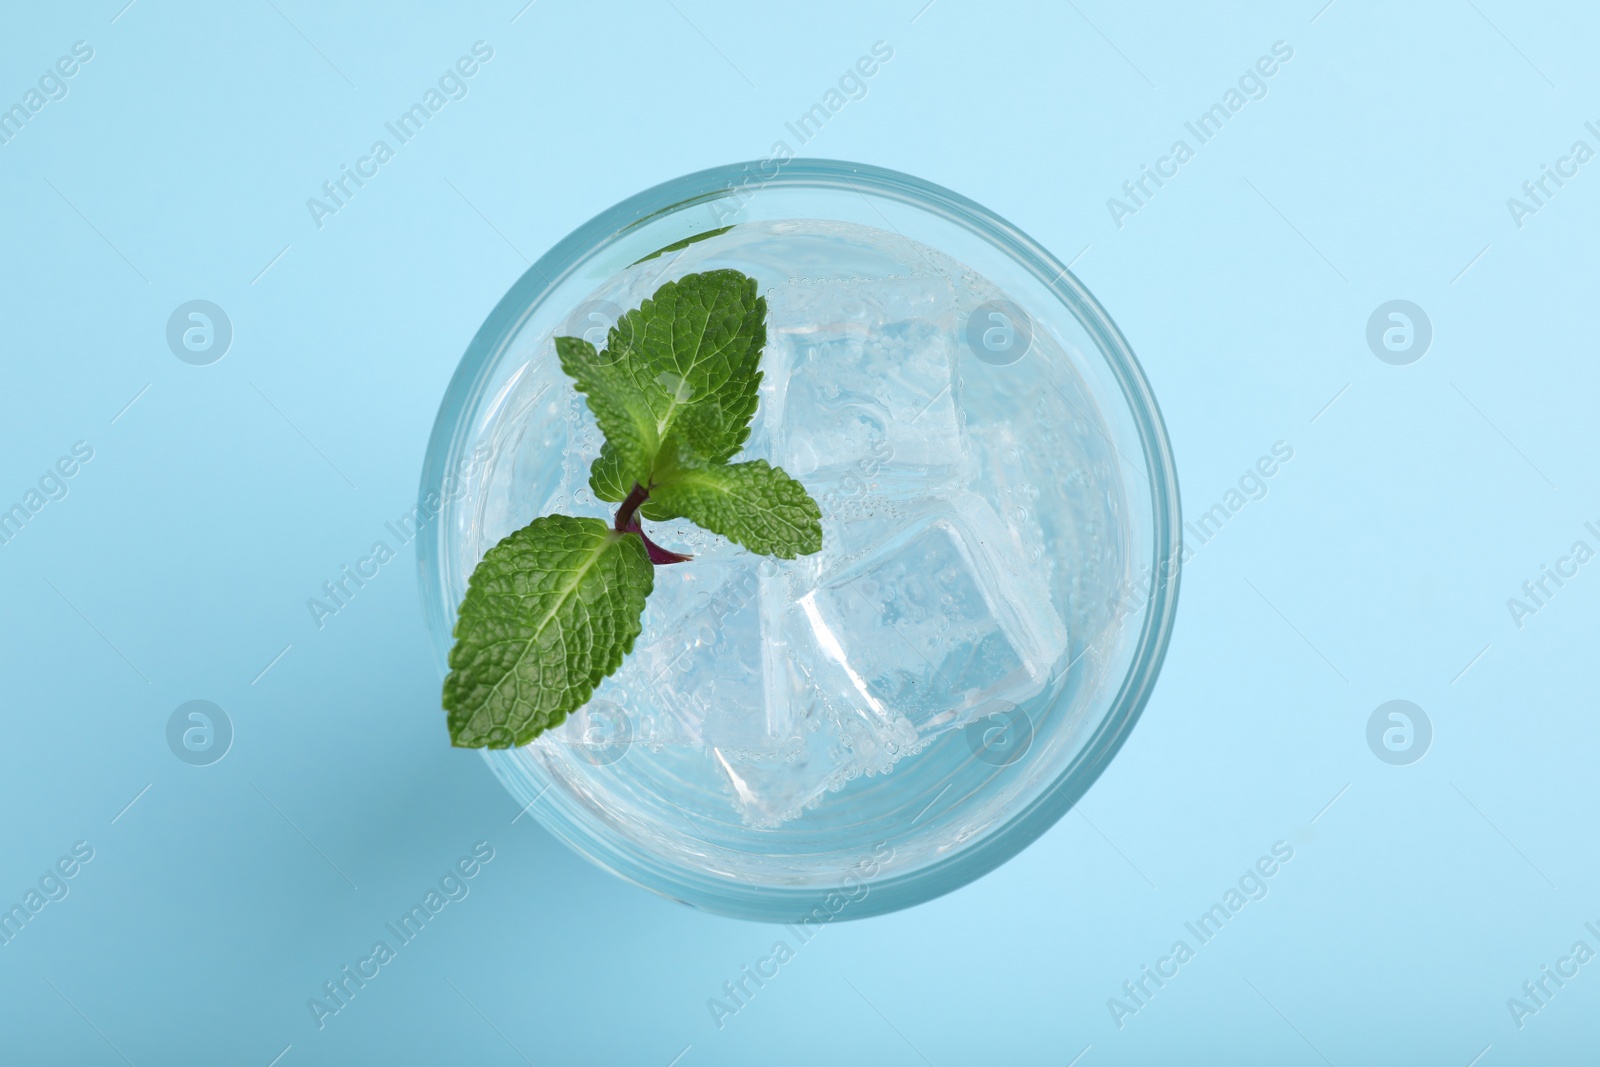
545	276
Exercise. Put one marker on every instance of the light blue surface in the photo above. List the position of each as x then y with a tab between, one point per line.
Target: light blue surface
1377	567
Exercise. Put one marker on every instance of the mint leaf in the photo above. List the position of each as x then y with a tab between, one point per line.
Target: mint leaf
611	477
549	612
622	412
685	243
694	346
552	610
607	479
682	366
753	504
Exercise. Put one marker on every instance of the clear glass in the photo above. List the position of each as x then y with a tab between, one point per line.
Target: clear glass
861	730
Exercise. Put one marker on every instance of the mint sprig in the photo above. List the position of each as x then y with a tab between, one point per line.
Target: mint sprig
554	608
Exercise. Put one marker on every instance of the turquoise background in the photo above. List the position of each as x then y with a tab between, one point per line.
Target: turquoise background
1378	565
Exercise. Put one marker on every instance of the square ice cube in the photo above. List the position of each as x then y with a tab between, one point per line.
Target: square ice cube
935	621
852	393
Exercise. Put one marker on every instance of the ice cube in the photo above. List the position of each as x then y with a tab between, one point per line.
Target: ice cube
902	630
768	791
779	741
938	621
832	742
742	718
867	380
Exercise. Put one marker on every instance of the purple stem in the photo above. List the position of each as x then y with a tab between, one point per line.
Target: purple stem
627	521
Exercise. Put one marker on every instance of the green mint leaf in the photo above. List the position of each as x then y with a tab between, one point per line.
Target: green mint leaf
675	453
685	243
549	612
681	368
690	354
705	357
606	476
754	504
552	610
623	414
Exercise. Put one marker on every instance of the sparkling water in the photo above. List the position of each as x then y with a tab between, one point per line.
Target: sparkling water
955	535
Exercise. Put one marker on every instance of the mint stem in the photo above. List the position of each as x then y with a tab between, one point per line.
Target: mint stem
627	521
